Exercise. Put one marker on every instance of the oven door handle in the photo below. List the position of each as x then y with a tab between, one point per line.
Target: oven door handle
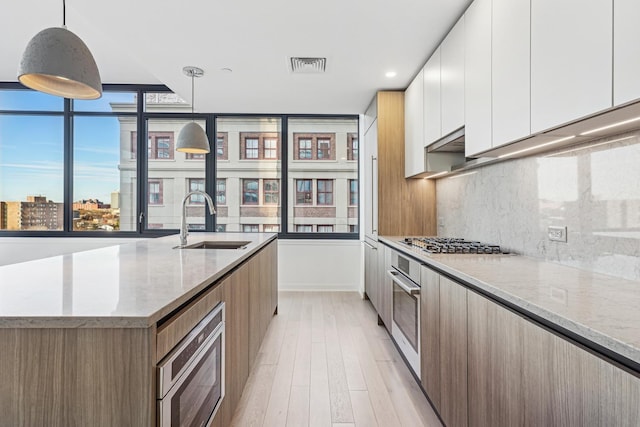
406	286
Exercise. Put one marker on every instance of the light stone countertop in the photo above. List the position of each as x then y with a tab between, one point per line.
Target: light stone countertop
603	309
127	285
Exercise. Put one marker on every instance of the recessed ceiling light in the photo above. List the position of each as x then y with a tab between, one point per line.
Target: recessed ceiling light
391	74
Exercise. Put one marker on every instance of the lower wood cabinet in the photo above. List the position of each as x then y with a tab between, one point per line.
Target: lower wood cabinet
453	353
430	334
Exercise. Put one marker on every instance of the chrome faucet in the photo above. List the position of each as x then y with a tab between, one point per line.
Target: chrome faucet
183	228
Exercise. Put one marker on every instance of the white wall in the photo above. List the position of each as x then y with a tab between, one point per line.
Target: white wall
314	265
20	249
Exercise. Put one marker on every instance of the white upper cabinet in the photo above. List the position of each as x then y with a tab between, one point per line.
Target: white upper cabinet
414	127
452	79
511	64
626	55
477	77
431	99
571	60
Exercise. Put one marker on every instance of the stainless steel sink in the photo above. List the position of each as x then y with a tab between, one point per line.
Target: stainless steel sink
217	244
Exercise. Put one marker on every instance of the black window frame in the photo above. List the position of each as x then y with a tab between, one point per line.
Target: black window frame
141	157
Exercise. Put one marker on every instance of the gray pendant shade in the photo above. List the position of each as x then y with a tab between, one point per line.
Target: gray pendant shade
193	139
57	62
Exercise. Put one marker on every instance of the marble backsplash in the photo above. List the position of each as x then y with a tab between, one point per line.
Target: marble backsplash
593	190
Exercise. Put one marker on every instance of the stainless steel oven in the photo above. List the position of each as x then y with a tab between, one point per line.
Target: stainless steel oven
405	327
191	376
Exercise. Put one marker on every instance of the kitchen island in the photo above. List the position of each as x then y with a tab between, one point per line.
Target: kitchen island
82	333
513	340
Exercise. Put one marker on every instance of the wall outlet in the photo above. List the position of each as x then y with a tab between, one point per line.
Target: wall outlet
557	234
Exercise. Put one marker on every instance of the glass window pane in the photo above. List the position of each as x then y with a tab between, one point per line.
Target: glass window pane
112	102
31	173
29	100
323	199
171	176
104	174
250	173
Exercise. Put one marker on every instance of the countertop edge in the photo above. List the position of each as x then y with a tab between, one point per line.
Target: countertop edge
583	334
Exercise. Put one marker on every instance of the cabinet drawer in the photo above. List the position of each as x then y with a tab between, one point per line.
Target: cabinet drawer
179	325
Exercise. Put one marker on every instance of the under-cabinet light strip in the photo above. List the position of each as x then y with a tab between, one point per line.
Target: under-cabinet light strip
624	122
589	146
555	141
436	175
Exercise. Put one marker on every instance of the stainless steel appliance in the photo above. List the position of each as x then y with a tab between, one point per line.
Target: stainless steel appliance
405	327
446	245
191	376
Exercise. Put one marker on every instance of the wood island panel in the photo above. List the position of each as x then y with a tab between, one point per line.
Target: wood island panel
78	377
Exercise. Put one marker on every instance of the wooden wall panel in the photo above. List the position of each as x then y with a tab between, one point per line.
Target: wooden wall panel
405	206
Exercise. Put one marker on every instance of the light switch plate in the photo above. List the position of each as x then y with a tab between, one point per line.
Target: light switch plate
557	234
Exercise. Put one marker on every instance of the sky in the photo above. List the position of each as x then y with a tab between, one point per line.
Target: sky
31	148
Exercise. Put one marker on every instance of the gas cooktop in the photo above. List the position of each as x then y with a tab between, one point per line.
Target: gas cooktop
446	245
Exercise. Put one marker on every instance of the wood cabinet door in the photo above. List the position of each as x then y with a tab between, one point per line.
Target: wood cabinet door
414	127
453	353
477	77
452	79
571	60
496	346
510	70
430	334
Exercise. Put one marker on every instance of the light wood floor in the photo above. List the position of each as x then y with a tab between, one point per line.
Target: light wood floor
326	362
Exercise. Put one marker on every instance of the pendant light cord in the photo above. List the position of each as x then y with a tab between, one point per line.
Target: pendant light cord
64	13
193	97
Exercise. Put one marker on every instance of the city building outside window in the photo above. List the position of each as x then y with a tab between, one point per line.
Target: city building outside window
159	146
221	228
221	191
353	228
303	192
250	192
304	228
353	192
222	144
250	228
155	192
325	192
271	228
325	228
352	146
194	185
314	146
271	190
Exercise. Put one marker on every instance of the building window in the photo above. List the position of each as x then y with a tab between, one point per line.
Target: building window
249	191
251	148
221	228
304	228
325	228
196	184
250	228
271	228
314	146
259	145
353	192
222	146
221	192
353	228
155	192
352	146
324	149
270	148
304	149
160	146
271	190
195	156
325	192
303	192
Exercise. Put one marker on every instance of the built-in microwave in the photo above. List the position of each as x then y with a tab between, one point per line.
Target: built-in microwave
191	377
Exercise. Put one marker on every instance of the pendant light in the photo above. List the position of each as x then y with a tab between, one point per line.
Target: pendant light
192	138
57	62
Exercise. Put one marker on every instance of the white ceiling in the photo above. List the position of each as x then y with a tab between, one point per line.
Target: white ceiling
149	41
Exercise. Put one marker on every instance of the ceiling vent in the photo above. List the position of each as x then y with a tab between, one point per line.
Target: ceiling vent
308	65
